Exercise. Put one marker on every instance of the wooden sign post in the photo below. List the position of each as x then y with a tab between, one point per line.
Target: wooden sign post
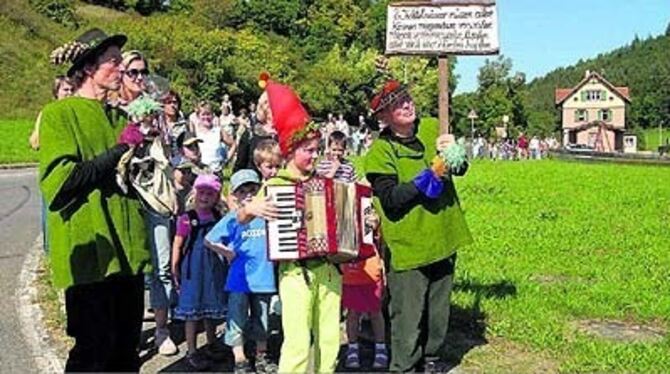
442	28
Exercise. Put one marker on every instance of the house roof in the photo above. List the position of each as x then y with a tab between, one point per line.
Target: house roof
561	94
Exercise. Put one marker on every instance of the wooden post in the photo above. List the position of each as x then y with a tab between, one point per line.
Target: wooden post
443	100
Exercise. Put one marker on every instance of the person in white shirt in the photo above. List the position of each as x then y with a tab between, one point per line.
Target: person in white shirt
342	126
228	121
217	145
534	147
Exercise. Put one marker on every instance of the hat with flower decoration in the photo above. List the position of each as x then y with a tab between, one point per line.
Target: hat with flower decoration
289	117
389	94
85	47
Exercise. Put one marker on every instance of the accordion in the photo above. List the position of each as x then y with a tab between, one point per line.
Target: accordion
320	218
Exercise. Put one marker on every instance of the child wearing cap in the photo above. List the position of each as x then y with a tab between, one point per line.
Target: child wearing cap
198	271
309	289
189	151
251	280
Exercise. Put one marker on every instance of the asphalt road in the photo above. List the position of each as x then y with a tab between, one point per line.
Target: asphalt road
19	226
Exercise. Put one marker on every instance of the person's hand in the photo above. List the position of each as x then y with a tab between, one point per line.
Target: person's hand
372	220
131	135
336	165
444	140
229	255
262	207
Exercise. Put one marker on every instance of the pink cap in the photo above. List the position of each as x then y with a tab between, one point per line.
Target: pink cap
210	181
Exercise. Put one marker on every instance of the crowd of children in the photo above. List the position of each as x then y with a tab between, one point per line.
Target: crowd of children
209	241
219	260
221	268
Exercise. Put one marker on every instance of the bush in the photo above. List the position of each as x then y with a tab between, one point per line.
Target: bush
60	11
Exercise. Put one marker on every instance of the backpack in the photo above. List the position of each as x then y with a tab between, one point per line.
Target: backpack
196	228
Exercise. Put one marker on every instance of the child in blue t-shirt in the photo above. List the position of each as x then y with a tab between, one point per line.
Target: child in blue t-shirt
251	279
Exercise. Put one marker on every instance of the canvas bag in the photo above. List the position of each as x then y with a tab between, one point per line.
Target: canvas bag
153	183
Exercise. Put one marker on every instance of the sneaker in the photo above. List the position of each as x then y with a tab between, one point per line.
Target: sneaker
352	361
242	368
165	345
436	367
197	362
264	365
217	351
381	359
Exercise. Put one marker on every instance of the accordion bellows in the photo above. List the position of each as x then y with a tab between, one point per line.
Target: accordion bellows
320	218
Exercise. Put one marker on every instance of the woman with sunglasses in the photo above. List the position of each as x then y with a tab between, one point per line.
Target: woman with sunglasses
135	72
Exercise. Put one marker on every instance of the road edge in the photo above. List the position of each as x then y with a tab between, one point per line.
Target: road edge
30	314
20	165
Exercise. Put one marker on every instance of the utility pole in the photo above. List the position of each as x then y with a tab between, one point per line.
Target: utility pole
443	100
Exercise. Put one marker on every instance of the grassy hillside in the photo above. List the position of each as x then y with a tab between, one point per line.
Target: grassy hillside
26	40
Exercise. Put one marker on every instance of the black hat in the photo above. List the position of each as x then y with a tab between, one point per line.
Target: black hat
84	48
187	138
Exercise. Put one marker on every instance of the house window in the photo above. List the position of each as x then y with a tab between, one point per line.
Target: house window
581	115
594	95
605	115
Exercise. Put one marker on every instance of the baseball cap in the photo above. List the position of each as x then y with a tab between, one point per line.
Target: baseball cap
187	138
242	177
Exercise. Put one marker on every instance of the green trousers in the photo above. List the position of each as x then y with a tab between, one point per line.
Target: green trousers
419	310
310	298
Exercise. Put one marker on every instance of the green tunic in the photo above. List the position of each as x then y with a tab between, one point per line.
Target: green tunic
101	232
429	232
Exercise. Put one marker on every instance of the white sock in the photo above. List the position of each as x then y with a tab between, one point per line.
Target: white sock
353	346
380	347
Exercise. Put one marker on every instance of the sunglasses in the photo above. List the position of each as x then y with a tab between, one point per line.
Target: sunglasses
171	102
134	73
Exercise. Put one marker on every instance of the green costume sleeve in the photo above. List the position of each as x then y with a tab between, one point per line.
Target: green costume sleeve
58	150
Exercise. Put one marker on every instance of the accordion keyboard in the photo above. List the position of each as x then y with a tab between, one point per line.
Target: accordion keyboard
284	230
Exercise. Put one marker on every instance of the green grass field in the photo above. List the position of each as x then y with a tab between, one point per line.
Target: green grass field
560	245
14	146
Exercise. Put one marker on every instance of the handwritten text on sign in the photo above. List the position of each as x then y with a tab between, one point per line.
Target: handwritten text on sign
443	29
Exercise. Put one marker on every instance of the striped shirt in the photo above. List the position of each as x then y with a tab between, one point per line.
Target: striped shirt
345	172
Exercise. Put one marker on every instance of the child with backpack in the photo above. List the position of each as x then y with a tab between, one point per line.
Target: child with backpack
251	278
199	272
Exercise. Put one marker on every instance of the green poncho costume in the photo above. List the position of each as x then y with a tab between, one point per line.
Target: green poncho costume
428	232
98	232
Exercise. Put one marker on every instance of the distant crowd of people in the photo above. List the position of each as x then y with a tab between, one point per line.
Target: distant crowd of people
520	148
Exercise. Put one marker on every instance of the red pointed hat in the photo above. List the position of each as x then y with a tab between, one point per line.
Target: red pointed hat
289	117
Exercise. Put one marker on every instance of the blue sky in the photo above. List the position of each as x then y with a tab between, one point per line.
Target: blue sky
540	35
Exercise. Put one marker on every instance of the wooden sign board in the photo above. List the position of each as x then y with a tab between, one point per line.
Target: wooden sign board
442	27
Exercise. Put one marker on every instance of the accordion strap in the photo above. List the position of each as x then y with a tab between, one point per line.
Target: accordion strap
303	268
